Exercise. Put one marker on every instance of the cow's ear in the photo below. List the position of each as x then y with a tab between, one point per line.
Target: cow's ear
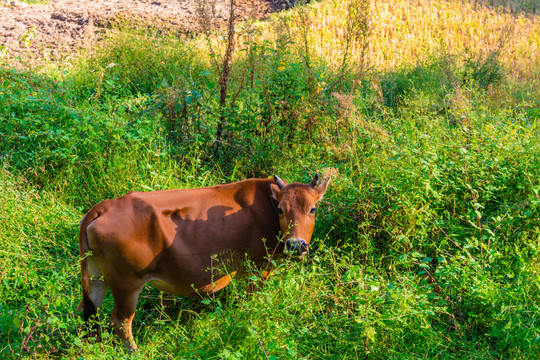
321	189
276	192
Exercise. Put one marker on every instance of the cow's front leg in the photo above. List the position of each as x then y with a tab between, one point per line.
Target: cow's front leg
125	304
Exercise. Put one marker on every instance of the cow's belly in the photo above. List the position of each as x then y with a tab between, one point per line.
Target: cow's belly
183	290
199	266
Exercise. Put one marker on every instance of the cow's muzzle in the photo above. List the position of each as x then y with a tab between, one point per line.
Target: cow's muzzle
296	247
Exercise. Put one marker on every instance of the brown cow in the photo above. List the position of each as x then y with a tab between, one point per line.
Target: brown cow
172	239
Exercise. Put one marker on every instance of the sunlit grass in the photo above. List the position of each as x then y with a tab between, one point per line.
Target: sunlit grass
411	31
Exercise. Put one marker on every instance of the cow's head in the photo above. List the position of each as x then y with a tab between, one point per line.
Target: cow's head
296	208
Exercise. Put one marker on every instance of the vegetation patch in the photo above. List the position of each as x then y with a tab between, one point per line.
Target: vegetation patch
427	243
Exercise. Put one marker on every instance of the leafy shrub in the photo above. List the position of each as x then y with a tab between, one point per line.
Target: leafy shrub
437	77
484	72
134	64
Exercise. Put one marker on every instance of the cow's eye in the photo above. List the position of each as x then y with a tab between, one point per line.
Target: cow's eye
313	210
279	211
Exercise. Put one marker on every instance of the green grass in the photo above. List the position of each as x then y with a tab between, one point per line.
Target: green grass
427	244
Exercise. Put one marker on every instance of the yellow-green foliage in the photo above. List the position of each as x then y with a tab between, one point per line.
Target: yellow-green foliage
410	31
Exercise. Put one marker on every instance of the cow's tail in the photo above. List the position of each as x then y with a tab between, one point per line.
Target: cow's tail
93	286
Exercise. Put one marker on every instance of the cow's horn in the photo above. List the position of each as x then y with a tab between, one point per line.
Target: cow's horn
313	182
279	182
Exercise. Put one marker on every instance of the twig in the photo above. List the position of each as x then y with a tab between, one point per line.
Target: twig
452	241
449	299
260	342
225	70
241	87
532	186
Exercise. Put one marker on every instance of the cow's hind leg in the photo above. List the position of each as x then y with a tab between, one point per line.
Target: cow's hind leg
94	289
125	304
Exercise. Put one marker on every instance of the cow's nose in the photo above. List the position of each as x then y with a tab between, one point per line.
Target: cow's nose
296	246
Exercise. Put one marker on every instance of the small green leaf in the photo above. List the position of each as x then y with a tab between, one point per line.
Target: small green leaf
370	333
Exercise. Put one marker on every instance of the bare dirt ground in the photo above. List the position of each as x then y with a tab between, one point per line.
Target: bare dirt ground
32	34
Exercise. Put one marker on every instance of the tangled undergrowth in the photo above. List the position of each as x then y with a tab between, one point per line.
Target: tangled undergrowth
427	243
